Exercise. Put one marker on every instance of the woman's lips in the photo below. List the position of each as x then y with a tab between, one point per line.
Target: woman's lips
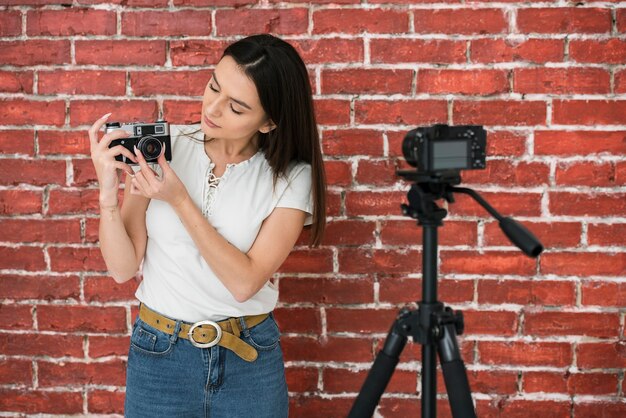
209	123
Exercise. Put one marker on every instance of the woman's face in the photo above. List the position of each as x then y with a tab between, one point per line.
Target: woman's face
231	108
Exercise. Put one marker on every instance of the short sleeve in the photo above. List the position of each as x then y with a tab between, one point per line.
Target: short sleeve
297	192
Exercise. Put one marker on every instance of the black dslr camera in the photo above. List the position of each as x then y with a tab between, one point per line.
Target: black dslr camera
149	138
441	148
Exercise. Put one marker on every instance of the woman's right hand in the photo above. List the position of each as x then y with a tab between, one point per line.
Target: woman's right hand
107	167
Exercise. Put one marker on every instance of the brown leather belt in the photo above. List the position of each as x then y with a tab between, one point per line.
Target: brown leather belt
206	334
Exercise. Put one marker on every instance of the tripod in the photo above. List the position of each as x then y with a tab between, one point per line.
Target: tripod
433	324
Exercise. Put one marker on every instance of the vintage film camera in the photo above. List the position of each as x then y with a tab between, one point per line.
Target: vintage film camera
149	138
441	148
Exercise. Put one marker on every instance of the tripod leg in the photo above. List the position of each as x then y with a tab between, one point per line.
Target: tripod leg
455	375
379	375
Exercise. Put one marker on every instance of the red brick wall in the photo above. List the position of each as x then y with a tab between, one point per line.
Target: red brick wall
544	338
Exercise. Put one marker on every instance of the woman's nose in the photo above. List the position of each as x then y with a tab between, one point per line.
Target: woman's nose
214	108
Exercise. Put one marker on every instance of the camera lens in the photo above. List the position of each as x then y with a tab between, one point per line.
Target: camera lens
411	146
150	147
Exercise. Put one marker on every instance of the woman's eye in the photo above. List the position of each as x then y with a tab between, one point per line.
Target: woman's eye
234	111
212	88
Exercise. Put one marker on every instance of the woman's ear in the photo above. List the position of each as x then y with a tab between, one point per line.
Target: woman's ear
269	126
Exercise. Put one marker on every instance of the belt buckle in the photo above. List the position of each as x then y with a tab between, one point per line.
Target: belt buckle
217	339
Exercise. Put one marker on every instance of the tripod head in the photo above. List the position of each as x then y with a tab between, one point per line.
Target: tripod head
431	187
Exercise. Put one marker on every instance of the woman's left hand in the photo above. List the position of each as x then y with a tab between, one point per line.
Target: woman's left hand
168	187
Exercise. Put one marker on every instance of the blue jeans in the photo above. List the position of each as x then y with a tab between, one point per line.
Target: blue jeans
168	377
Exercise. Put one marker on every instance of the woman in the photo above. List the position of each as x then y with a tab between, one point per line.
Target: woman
211	227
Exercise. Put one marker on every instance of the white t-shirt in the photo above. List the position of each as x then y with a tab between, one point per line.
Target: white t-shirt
177	281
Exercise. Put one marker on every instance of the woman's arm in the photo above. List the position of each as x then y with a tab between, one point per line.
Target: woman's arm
244	274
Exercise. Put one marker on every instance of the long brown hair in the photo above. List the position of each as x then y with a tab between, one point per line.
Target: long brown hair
282	82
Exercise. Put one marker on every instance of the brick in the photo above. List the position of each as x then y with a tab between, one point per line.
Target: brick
327	349
64	259
86	112
606	234
575	143
327	50
39	287
301	379
108	346
408	233
38	401
226	3
332	111
501	323
551	235
31	112
70	22
522	408
37	344
357	261
470	82
105	289
517	50
66	202
601	355
310	261
20	202
20	141
110	319
585	173
592	204
196	52
34	230
16	317
589	112
495	382
150	83
105	401
401	290
112	373
601	325
10	23
603	294
124	52
350	232
460	21
561	81
338	173
182	111
342	380
299	320
543	354
63	142
22	258
564	20
506	143
407	112
436	51
508	204
603	409
608	51
16	372
359	320
37	172
526	292
362	81
489	262
84	173
359	21
509	173
499	112
167	23
40	52
583	264
374	203
247	22
312	406
326	290
349	142
16	81
107	83
380	173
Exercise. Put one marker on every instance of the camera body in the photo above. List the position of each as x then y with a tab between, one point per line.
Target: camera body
149	138
441	148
